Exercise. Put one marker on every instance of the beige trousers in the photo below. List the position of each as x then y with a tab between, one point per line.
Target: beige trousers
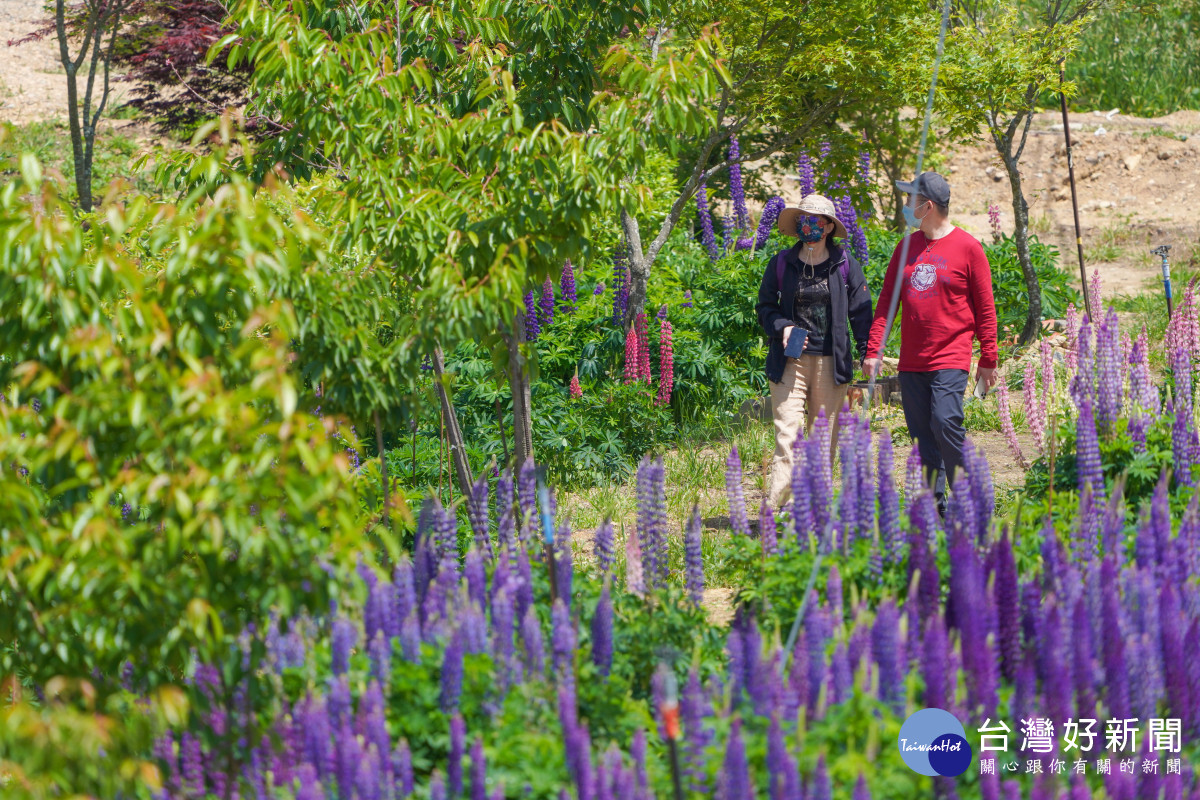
808	386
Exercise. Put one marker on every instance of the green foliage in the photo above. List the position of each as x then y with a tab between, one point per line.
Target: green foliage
1139	470
158	356
1144	62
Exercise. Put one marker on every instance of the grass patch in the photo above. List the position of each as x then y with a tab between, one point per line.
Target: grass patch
50	142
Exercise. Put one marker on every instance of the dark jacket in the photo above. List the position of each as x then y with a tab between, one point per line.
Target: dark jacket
775	305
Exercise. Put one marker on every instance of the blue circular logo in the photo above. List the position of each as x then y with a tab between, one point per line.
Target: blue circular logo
932	742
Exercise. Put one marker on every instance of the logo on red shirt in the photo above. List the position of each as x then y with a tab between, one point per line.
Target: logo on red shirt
923	278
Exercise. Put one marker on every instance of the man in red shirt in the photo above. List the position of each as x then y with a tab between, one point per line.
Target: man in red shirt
945	303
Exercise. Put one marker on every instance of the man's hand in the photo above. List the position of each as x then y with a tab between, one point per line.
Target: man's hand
787	333
870	366
986	376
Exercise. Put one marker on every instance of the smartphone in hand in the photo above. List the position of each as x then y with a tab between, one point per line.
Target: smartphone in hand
795	344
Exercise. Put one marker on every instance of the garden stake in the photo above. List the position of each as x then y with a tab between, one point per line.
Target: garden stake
1087	296
912	199
812	579
669	711
1161	251
543	493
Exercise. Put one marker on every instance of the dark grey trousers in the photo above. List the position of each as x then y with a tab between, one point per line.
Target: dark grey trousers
933	410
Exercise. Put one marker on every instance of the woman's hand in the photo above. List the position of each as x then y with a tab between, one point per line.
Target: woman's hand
787	332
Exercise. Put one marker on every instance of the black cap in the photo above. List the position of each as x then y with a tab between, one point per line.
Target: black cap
928	184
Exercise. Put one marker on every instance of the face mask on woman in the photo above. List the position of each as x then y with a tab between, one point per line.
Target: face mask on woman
809	230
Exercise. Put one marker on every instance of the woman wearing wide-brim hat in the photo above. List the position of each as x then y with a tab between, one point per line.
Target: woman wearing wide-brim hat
815	290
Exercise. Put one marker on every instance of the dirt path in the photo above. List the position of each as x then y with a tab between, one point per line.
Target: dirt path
32	82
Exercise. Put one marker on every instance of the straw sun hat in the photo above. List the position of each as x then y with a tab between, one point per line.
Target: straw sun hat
812	204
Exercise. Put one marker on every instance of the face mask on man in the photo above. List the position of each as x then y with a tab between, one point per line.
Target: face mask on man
910	216
810	230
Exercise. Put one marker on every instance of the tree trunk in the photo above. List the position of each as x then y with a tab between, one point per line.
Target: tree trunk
639	268
518	381
458	448
1033	320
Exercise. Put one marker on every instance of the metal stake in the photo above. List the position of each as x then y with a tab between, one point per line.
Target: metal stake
1062	98
543	493
669	711
1161	251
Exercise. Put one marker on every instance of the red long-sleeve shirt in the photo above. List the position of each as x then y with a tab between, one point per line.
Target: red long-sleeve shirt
945	302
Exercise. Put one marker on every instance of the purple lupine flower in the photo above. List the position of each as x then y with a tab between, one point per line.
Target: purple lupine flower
477	512
885	644
620	259
564	568
637	752
340	700
402	770
652	521
313	720
533	647
309	786
766	223
891	535
1115	675
1024	696
935	662
693	558
475	574
816	634
546	307
380	603
767	531
729	234
858	238
1007	608
707	238
821	788
478	770
865	459
983	491
1083	661
1109	391
861	792
736	647
1182	428
458	746
604	546
842	678
191	757
736	189
1173	624
736	783
437	786
527	497
367	777
807	175
506	526
503	651
848	500
532	329
802	515
693	708
1083	384
779	762
344	638
566	286
687	299
380	652
372	721
348	755
602	633
864	168
562	641
410	637
1087	452
738	519
452	673
1057	684
1152	542
820	466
